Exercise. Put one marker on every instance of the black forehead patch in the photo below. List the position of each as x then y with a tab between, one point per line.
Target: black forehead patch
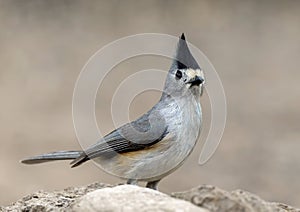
180	65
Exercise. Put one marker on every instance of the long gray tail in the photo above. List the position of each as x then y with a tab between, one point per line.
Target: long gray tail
52	156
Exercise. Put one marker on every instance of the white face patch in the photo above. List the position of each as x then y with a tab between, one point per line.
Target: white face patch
192	73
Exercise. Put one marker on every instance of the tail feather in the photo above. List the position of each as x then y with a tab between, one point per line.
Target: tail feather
79	160
52	156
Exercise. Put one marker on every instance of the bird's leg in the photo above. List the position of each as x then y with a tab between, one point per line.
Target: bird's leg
132	181
153	184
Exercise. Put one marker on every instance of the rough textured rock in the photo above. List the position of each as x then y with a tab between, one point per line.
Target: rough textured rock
102	197
131	198
52	201
215	199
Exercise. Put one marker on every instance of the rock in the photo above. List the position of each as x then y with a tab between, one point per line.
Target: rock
131	198
215	199
52	201
103	197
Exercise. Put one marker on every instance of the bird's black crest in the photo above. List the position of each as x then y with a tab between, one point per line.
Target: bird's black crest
182	36
183	58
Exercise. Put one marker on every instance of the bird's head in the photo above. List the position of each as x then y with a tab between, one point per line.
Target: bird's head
185	76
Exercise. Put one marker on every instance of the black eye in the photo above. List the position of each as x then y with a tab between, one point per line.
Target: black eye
178	74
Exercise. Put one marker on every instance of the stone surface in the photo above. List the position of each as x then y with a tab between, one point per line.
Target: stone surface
103	197
215	199
127	198
50	201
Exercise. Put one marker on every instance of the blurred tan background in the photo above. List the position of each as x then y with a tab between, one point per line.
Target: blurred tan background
254	46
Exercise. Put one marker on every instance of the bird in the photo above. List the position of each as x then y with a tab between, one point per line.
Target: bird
159	141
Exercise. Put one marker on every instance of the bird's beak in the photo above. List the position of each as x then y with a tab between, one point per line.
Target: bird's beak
194	77
196	81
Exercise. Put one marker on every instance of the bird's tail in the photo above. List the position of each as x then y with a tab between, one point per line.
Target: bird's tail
52	156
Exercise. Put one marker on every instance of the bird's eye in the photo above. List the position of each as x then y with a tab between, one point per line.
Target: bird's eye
178	74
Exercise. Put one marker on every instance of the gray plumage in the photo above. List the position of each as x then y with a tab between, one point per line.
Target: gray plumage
158	142
51	156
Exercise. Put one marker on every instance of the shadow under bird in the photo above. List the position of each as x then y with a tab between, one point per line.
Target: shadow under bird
157	143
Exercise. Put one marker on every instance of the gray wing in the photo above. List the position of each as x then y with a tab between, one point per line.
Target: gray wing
140	134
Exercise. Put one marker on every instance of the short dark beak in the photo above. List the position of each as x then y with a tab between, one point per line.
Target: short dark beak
196	81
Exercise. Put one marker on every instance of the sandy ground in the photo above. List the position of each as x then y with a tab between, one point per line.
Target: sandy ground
254	46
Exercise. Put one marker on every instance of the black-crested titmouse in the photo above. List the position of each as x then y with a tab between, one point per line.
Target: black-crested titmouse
158	142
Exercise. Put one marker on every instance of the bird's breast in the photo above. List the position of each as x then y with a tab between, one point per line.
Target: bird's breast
184	120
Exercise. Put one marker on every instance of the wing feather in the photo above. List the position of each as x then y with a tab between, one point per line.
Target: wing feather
134	136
